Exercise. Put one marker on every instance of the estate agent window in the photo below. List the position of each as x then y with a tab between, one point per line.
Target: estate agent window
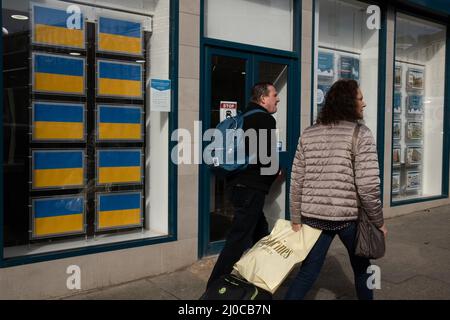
418	108
77	144
346	49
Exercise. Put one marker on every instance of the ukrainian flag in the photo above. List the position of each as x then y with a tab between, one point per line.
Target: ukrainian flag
58	169
119	36
58	121
119	79
119	210
58	216
50	27
119	166
57	73
119	123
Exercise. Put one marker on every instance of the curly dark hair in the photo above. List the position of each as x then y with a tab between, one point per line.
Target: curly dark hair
340	103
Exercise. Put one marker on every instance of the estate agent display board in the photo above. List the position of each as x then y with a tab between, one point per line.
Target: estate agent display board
87	134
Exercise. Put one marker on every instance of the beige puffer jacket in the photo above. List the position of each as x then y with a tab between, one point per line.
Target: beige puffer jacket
322	182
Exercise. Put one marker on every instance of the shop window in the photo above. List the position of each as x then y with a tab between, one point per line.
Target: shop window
418	108
77	117
266	23
346	49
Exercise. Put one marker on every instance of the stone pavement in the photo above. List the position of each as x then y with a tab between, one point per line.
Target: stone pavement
416	266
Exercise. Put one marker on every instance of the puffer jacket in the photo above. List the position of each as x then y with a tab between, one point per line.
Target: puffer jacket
322	179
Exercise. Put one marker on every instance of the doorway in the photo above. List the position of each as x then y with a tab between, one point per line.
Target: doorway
228	78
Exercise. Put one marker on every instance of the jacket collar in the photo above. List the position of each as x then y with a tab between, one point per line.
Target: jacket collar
253	106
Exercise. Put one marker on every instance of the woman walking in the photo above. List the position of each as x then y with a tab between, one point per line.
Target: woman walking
325	186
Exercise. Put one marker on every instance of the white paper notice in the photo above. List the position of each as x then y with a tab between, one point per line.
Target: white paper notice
227	109
160	91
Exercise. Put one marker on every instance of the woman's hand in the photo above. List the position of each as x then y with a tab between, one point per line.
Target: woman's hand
384	229
296	226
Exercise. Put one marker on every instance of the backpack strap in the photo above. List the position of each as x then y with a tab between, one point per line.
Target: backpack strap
249	113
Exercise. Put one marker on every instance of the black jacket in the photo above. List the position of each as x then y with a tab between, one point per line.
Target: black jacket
251	177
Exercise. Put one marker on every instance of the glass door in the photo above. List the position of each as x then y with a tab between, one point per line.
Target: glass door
228	77
228	80
281	73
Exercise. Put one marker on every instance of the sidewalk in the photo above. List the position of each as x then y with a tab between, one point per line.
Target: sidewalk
416	266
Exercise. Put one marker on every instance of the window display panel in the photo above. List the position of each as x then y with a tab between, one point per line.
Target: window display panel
58	216
119	210
418	108
49	26
119	123
58	121
57	169
121	36
58	74
77	150
345	49
119	79
119	166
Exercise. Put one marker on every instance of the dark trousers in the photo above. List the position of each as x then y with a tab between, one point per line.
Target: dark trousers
249	225
311	266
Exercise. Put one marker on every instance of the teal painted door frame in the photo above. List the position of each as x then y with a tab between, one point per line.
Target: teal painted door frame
252	59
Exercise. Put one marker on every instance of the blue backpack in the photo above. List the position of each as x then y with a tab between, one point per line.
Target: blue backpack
226	153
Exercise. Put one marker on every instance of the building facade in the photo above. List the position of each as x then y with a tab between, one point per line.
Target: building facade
105	106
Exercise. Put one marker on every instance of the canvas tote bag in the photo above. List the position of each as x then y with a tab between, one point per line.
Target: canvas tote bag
269	262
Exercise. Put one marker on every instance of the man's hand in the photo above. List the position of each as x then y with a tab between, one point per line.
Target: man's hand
296	226
384	229
281	175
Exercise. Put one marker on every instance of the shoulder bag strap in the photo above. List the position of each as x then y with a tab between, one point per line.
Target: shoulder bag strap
353	154
355	137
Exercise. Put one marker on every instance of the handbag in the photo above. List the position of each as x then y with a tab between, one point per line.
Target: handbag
370	242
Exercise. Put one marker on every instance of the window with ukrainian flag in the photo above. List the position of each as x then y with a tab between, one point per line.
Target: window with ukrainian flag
119	166
119	36
75	119
57	216
57	27
119	123
56	169
119	79
57	121
119	210
55	73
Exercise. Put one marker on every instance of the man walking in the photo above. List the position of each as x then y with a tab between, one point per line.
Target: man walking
250	186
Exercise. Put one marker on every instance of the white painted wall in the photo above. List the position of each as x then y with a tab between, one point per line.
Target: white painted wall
251	22
157	162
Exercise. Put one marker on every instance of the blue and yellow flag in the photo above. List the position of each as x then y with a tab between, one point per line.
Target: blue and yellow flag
57	73
58	216
119	79
119	166
119	122
57	169
58	121
50	26
119	36
119	210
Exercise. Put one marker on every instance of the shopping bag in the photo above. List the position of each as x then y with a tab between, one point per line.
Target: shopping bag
272	258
